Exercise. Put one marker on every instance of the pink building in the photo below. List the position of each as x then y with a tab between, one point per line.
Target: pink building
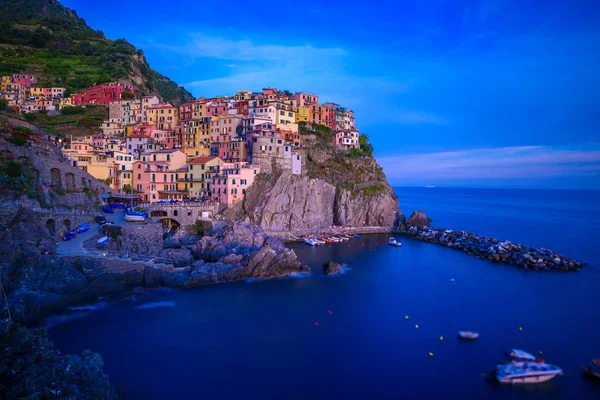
230	186
303	99
154	181
25	80
101	94
347	140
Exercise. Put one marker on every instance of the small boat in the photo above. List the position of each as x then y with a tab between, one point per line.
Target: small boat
593	370
319	241
393	242
135	217
69	235
344	237
108	210
83	228
336	239
468	335
311	242
516	355
526	372
356	236
102	241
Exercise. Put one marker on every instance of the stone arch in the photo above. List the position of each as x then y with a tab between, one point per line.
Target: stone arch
55	178
70	180
67	224
83	182
158	213
51	226
169	222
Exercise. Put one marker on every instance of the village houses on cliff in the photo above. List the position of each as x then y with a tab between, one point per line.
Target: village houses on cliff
209	149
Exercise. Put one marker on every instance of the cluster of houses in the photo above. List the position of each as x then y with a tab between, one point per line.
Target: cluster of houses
209	149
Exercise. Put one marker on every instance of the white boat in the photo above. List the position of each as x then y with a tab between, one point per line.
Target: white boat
520	355
319	241
393	242
336	239
102	241
526	372
311	242
344	237
134	218
468	335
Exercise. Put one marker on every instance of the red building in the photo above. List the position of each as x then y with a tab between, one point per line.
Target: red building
101	94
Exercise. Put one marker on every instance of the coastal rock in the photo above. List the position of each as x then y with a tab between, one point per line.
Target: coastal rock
418	219
180	257
331	268
32	368
154	277
360	209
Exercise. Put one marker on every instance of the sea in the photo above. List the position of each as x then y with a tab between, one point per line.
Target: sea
386	328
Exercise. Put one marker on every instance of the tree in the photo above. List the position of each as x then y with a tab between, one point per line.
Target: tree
127	189
128	95
3	104
365	146
108	181
19	140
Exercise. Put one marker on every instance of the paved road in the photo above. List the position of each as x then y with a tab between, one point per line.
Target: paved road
74	246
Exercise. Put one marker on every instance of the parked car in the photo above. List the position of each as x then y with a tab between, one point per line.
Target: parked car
83	228
69	235
100	219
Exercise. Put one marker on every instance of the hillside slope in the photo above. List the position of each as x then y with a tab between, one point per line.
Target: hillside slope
43	38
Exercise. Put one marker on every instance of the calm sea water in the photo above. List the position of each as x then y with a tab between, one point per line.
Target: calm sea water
258	339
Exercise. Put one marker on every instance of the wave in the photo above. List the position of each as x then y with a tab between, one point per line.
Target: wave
89	307
156	305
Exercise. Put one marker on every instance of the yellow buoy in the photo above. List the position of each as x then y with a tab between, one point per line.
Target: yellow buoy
441	338
430	354
521	329
406	317
417	326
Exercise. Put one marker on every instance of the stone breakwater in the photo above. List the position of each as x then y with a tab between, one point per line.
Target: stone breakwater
495	250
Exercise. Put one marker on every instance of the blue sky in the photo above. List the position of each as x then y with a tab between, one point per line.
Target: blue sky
470	93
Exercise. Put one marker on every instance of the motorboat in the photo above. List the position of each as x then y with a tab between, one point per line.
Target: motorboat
336	239
311	242
526	372
519	356
468	335
393	242
83	228
319	241
69	235
102	241
356	236
344	237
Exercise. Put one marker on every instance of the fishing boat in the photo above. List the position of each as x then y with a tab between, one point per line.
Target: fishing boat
516	355
311	242
344	237
102	241
526	372
319	241
468	335
335	239
69	235
83	228
356	236
393	242
108	210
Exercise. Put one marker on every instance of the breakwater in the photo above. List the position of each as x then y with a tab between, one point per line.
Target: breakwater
495	250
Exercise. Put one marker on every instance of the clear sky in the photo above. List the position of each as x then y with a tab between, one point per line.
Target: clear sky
451	93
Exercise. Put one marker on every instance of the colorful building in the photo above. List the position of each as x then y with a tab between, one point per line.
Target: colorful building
101	94
231	184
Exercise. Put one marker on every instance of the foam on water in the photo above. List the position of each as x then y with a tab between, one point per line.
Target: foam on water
157	304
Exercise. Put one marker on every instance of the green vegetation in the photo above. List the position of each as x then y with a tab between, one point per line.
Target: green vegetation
74	120
19	140
3	104
355	153
19	178
200	228
365	146
43	38
374	189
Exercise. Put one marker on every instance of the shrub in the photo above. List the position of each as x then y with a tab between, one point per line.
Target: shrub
3	104
24	130
13	169
355	153
72	110
30	117
19	140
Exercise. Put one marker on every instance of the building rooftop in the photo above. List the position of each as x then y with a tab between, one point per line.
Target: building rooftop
201	160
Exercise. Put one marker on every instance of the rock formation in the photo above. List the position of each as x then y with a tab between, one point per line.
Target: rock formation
331	268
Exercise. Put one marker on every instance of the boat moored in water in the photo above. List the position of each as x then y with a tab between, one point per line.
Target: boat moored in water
526	372
468	335
356	236
519	355
311	242
393	242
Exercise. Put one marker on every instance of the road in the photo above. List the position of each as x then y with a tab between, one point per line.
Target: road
74	247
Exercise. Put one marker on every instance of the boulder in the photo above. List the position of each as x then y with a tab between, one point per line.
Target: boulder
418	219
331	268
180	257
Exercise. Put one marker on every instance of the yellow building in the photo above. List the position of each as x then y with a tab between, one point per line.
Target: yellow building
36	91
198	109
99	167
242	95
302	114
196	137
164	117
5	80
196	181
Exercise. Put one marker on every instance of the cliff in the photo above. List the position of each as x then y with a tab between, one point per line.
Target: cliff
46	39
336	188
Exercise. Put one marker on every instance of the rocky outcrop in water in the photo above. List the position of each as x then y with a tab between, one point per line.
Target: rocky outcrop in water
332	268
495	250
31	368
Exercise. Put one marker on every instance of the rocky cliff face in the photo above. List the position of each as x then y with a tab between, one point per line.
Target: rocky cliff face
336	188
